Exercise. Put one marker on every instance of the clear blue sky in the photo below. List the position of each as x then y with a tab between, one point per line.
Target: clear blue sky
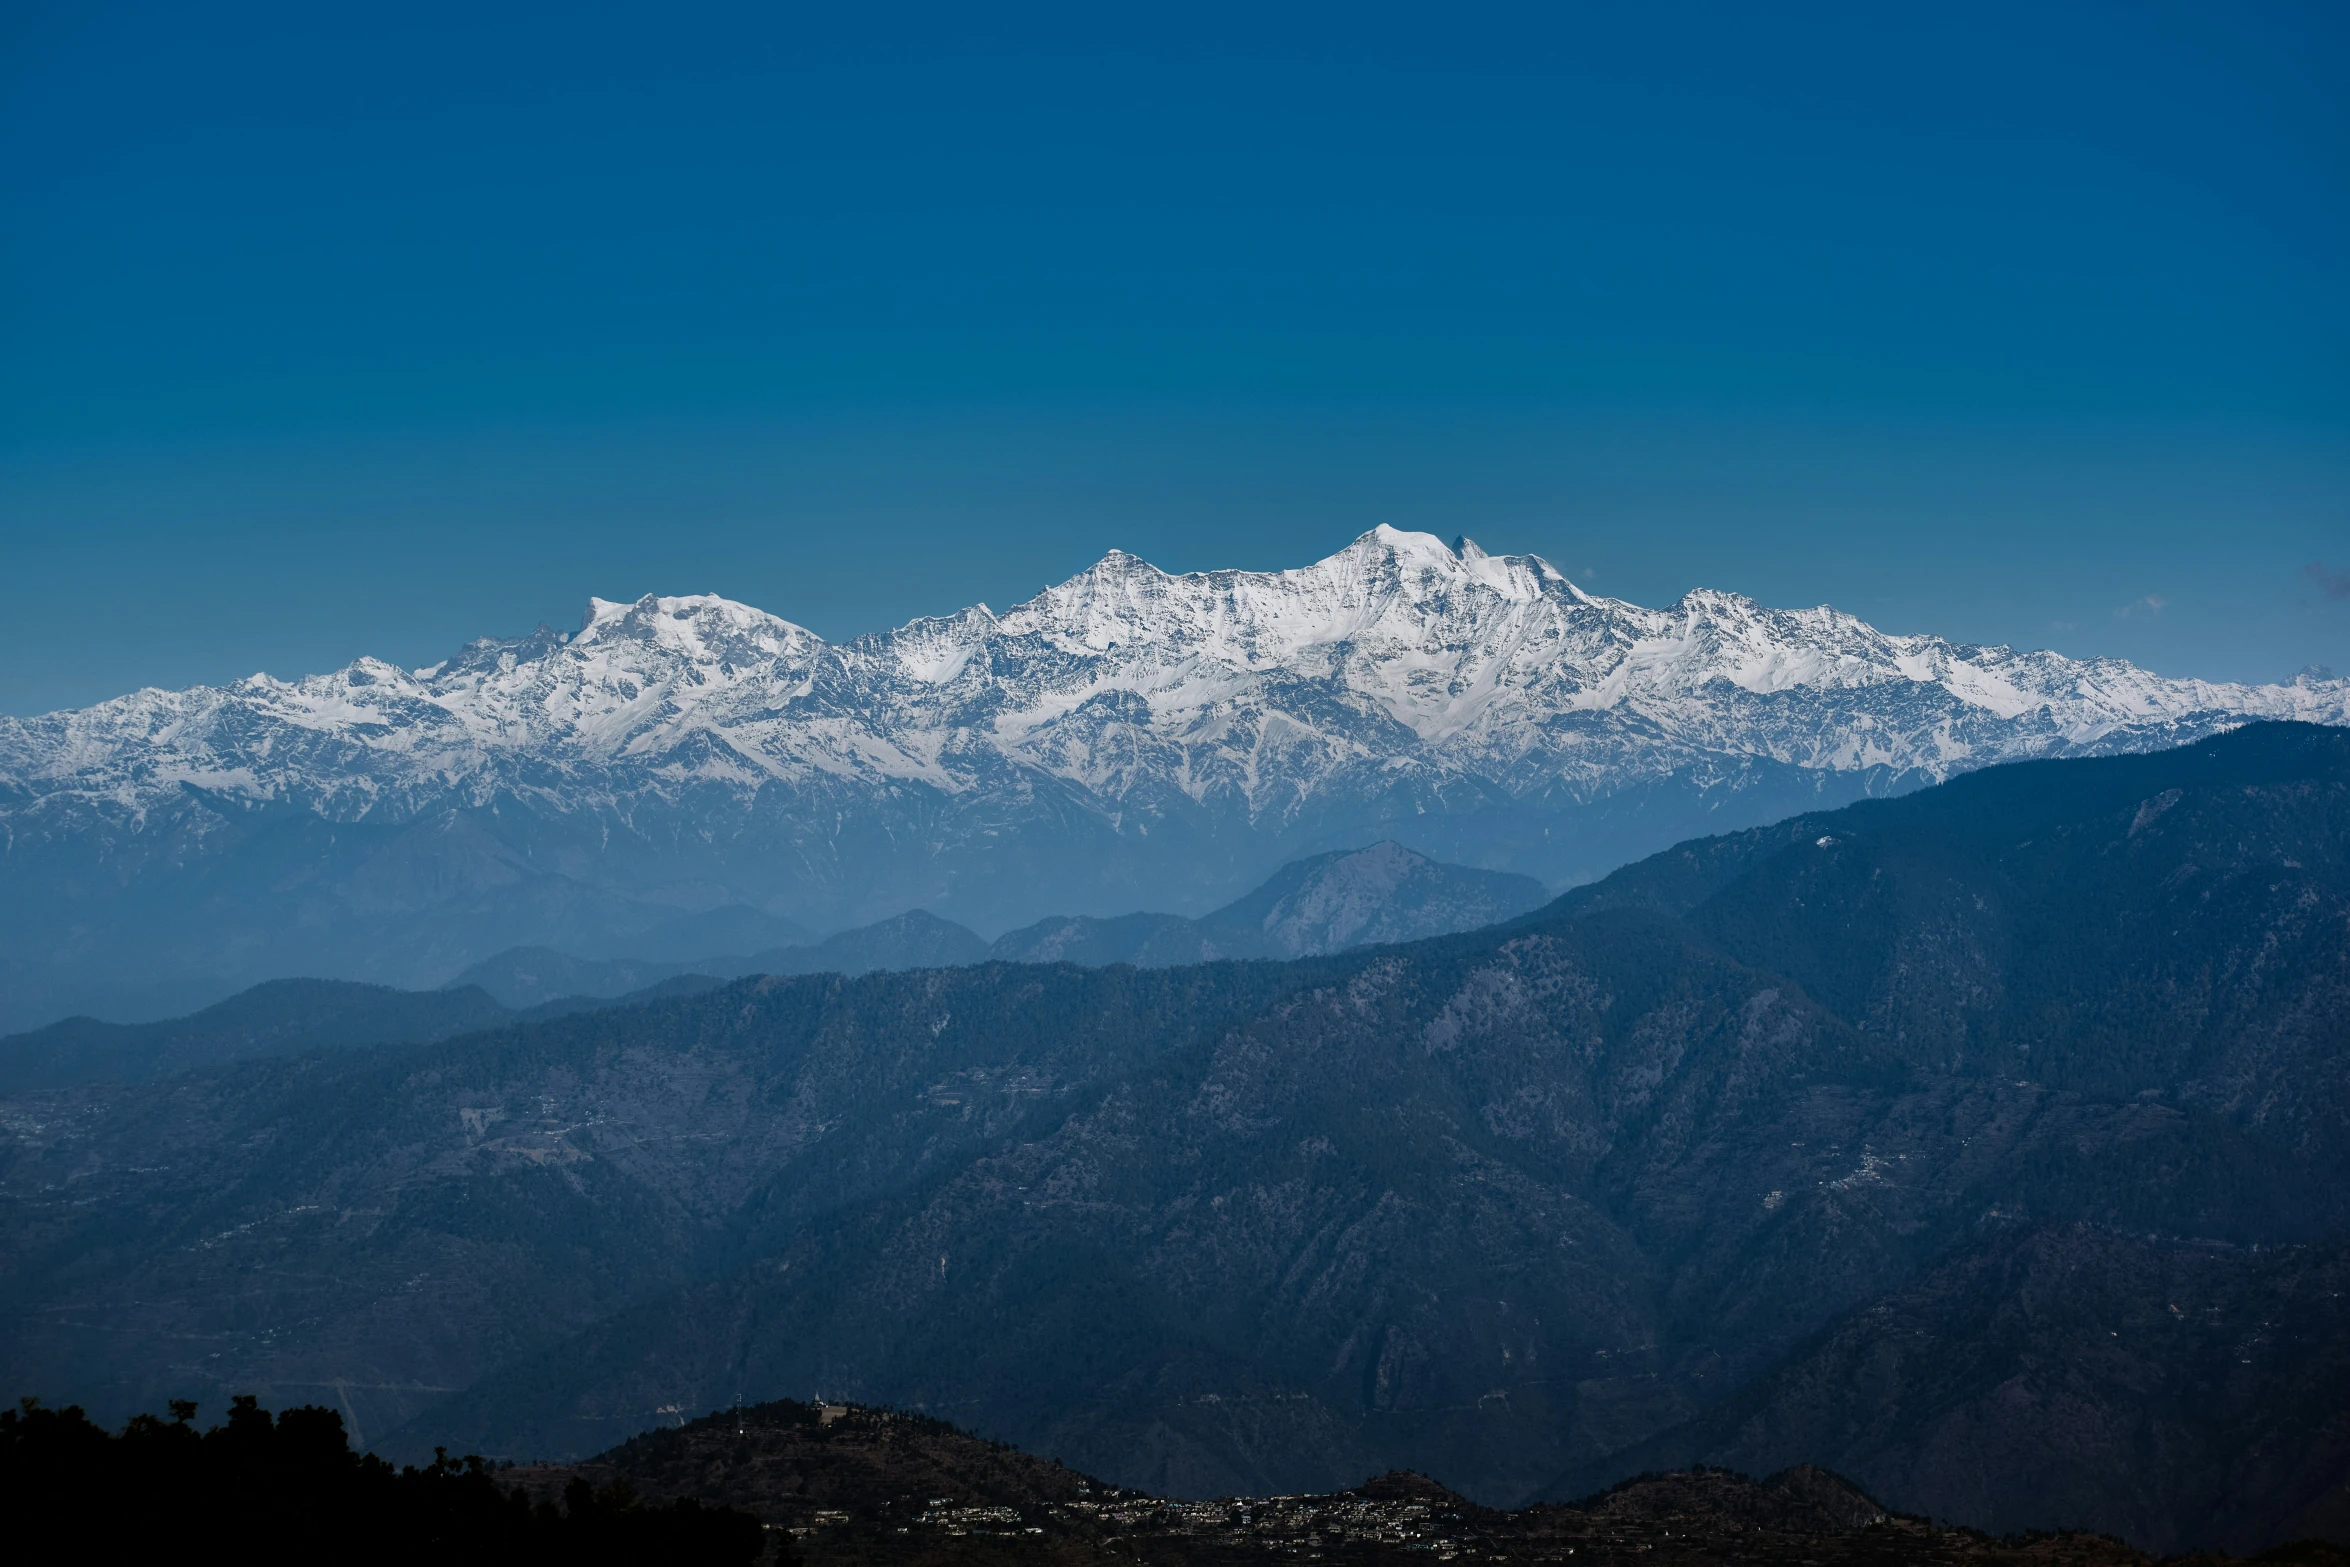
340	329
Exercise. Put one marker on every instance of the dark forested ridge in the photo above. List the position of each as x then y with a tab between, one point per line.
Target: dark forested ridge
291	1489
1986	1146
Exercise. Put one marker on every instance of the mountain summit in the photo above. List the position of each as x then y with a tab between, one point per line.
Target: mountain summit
1129	739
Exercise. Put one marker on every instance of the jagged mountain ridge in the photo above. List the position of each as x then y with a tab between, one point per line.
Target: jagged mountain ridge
1126	739
1464	652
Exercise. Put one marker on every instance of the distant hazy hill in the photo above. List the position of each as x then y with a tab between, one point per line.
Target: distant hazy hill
1988	1146
530	976
1350	898
282	1017
1347	898
1383	893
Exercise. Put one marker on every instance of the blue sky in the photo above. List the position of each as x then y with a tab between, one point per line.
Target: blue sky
331	330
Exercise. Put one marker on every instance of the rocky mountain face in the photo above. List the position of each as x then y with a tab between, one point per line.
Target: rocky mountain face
2012	1106
682	767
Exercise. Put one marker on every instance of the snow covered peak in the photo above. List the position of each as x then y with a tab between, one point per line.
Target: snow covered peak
1424	566
1388	585
1405	547
1398	656
697	626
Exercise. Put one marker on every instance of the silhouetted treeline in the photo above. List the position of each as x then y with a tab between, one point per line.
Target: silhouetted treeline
291	1489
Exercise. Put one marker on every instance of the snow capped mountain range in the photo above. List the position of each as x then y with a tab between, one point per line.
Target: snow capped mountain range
1128	739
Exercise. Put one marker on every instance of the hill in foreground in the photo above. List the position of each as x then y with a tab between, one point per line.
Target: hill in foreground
852	1484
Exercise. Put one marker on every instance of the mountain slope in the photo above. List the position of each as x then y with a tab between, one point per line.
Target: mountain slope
394	1224
2169	1391
1502	1207
1126	739
2081	924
